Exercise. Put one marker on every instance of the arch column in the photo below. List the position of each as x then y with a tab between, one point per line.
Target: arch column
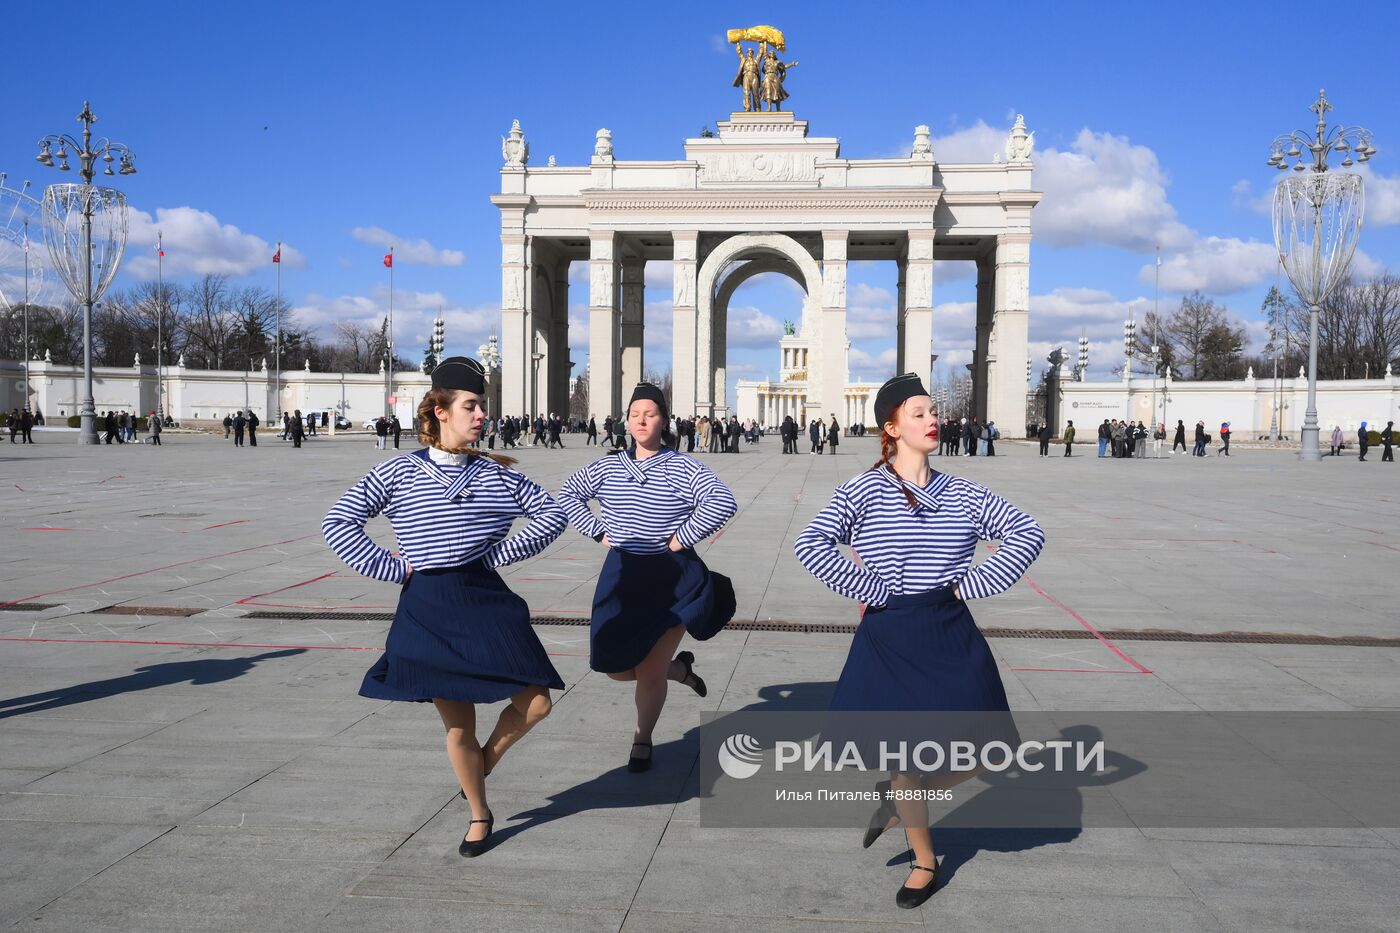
1009	340
918	304
828	376
560	364
683	323
515	319
604	324
633	312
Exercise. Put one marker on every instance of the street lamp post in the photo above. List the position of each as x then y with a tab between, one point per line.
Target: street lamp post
1317	222
1129	332
1082	372
1156	363
75	259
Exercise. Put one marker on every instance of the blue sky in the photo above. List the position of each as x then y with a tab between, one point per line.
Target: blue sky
338	128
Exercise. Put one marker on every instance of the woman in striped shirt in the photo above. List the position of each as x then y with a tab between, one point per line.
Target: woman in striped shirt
917	648
657	506
459	636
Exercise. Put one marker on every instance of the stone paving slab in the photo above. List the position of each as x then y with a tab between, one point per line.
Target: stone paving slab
217	771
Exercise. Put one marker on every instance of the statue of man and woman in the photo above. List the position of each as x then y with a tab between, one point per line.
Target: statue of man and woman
761	78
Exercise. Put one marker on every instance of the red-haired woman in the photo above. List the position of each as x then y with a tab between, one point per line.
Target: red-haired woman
917	648
460	636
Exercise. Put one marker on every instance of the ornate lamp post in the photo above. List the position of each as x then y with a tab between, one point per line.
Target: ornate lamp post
490	361
76	252
1081	373
1129	333
1317	221
1156	364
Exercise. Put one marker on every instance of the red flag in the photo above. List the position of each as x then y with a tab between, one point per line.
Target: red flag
389	260
277	256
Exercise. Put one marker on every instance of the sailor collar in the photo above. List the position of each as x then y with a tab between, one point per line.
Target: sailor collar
431	461
639	468
926	496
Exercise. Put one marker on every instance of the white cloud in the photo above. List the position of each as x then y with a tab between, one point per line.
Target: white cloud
196	243
413	252
750	327
465	327
1216	265
976	143
1382	198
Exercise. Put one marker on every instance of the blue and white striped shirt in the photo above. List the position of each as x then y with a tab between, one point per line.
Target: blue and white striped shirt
647	501
446	510
906	550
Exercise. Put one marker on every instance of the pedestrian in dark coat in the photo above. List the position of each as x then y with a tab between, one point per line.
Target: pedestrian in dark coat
253	422
395	428
296	430
1363	440
228	425
239	422
814	434
155	428
1044	435
1387	438
833	434
1180	437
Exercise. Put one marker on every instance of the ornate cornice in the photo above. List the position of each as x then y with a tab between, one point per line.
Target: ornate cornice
807	200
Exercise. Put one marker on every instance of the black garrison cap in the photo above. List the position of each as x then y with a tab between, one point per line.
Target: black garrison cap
460	372
645	390
893	394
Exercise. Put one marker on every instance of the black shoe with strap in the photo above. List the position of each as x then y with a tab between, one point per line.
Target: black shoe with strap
637	764
880	820
909	898
473	848
691	679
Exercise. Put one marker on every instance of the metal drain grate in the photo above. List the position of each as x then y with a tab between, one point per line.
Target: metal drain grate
26	607
847	628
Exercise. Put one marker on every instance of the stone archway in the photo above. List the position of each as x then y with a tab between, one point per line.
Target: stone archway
757	253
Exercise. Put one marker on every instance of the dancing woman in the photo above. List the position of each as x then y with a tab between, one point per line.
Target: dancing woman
917	648
657	505
460	636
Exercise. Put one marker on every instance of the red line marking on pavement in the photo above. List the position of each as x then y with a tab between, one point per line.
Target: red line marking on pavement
241	521
209	644
718	536
248	599
356	607
115	476
1386	546
1072	670
1092	631
142	573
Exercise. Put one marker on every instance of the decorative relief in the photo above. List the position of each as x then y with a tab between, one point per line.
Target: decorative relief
600	284
760	166
512	291
918	285
513	252
1014	285
684	249
683	285
1011	253
920	247
1020	143
834	285
515	150
826	204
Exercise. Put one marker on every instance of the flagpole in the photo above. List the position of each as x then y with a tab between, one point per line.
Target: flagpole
28	387
389	350
160	314
277	334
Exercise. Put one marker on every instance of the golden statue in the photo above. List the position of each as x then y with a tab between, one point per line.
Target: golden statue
761	76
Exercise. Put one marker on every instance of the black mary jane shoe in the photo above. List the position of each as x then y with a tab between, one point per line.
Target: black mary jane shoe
696	683
637	764
476	847
880	820
909	898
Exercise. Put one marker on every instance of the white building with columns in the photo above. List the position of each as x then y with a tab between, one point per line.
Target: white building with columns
761	195
769	403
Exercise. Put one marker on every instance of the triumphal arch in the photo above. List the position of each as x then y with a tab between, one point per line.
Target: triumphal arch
759	195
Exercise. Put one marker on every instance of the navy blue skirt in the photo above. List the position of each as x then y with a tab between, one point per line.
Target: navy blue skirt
459	634
641	597
922	663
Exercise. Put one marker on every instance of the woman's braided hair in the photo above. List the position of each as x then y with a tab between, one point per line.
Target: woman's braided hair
430	430
888	447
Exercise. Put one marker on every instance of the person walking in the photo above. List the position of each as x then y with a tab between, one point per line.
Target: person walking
239	423
1068	438
1387	438
396	429
833	434
381	433
294	427
917	647
1180	437
26	427
1159	434
1337	439
1363	441
228	425
592	431
1225	438
154	426
814	434
1043	434
1105	434
460	636
734	432
253	422
992	434
311	424
1201	440
657	505
13	423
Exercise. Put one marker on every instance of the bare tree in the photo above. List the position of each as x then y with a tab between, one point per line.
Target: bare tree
210	327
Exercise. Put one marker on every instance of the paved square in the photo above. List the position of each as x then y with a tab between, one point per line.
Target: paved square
183	748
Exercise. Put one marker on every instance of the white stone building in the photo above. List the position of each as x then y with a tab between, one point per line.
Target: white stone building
769	403
760	196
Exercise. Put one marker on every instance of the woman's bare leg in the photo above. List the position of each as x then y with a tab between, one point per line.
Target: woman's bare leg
522	713
652	675
465	754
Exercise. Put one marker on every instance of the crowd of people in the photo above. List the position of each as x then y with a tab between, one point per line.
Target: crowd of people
703	433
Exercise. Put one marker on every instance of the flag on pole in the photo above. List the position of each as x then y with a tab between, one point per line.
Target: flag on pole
389	259
277	256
